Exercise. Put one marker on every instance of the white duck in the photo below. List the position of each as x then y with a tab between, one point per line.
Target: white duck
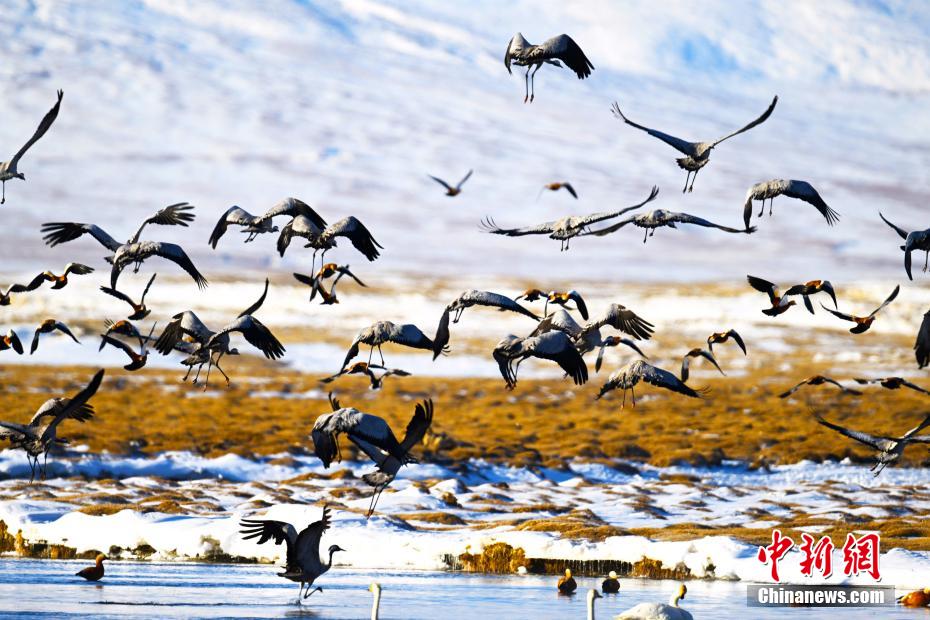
659	611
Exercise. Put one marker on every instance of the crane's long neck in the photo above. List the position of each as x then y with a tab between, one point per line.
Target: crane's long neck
331	552
590	608
376	604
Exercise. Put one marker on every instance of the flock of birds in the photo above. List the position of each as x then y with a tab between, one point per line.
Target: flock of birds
556	335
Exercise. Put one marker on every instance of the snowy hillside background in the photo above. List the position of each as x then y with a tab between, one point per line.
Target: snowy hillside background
350	104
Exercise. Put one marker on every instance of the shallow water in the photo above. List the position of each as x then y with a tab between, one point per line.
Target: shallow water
175	590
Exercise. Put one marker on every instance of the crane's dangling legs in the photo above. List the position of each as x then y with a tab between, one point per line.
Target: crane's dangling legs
381	354
771	202
926	259
691	187
526	80
533	82
646	235
687	177
3	200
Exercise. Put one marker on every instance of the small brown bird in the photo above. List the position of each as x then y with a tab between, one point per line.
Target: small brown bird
139	310
863	323
820	380
58	281
554	187
11	341
567	583
561	298
136	360
686	360
780	303
892	383
95	572
721	337
917	598
452	191
46	327
364	368
812	288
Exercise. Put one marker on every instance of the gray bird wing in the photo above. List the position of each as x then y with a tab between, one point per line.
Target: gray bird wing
411	336
16	431
256	334
233	215
565	49
177	255
901	232
605	215
356	232
420	422
177	214
488	225
802	190
758	121
686	218
62	232
664	379
307	546
43	127
622	318
258	304
683	146
293	207
75	404
924	424
879	443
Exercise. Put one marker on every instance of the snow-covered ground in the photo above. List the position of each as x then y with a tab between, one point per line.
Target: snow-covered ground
216	493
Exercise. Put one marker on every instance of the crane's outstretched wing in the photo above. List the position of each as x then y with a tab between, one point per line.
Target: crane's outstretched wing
258	303
879	443
901	232
307	545
172	215
488	225
256	334
802	190
686	218
75	404
664	379
565	49
233	215
293	207
175	254
622	318
356	232
683	146
758	121
420	422
43	127
61	232
606	215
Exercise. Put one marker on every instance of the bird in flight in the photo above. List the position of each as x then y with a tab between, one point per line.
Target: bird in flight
563	230
697	154
554	187
469	299
57	281
522	53
556	346
812	288
382	332
698	352
863	323
303	563
922	343
780	303
10	169
139	310
47	327
802	190
820	380
452	191
658	218
133	251
891	383
627	377
364	368
918	240
721	337
890	449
